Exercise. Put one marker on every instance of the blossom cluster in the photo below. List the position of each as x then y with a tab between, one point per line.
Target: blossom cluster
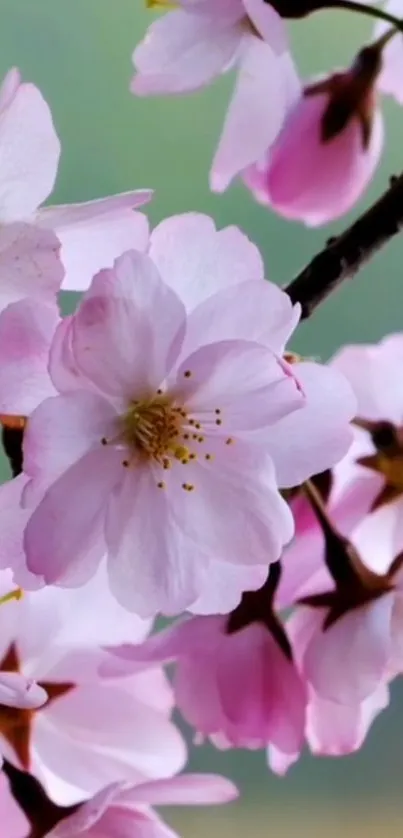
171	455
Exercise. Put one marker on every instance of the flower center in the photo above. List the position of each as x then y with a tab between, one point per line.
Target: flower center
155	427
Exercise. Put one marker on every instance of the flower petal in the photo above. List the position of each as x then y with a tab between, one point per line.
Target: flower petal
29	152
115	340
348	661
184	790
26	331
30	264
95	233
182	52
197	260
317	436
256	112
63	538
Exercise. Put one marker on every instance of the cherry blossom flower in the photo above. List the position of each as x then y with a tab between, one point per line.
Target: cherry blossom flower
235	679
193	44
121	809
132	426
91	234
328	149
91	730
216	275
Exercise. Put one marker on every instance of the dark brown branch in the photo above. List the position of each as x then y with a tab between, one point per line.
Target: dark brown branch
12	444
346	254
41	813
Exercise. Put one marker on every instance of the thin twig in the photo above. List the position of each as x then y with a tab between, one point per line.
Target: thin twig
346	254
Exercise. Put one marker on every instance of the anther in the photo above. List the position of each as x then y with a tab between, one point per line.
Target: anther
187	373
161	485
217	411
197	425
218	421
208	456
229	441
104	440
125	463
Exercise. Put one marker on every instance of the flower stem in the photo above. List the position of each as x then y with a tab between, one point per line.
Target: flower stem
346	254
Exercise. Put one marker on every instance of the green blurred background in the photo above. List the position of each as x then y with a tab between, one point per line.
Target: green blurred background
78	53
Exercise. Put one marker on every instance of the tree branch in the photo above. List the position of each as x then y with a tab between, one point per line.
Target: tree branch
346	254
41	813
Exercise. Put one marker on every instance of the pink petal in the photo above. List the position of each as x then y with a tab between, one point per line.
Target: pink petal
12	522
379	536
95	233
315	437
182	52
347	662
338	729
235	505
223	586
197	260
64	428
29	152
127	738
88	814
371	370
255	311
64	533
29	264
184	790
256	112
26	331
244	381
268	23
114	328
18	691
317	182
151	569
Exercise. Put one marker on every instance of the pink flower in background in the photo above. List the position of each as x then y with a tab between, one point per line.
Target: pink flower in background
235	680
193	44
328	149
119	810
391	76
91	730
91	234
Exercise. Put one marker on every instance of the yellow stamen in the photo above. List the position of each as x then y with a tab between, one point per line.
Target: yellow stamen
17	594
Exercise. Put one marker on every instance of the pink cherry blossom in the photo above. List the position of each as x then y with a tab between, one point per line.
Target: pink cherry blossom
120	809
92	730
237	686
226	425
193	44
91	234
313	177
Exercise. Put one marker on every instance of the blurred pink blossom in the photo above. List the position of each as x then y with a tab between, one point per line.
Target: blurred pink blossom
91	234
121	810
237	686
327	151
91	730
198	41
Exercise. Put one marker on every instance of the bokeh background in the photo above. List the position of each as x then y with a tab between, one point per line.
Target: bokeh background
78	53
